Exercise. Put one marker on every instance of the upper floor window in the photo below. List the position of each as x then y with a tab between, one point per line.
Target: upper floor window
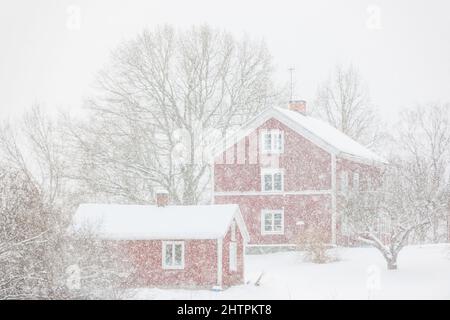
272	222
272	180
173	255
272	141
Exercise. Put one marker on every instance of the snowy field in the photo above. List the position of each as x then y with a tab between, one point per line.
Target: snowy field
360	273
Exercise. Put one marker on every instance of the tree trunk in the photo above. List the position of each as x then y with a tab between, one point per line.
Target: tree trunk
392	263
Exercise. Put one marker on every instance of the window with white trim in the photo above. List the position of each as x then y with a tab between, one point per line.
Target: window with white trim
233	256
233	231
272	180
173	255
272	141
345	225
272	222
344	181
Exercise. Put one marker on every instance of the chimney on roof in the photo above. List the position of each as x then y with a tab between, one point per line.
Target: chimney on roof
162	197
298	106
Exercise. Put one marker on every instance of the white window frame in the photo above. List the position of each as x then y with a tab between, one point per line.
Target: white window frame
173	244
233	231
273	134
344	181
273	212
345	226
272	172
232	257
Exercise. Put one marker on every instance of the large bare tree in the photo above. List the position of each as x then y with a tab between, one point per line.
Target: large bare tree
165	96
343	100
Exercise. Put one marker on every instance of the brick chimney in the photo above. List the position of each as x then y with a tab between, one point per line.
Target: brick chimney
162	197
298	106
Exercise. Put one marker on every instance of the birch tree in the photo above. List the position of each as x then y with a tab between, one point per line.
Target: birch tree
163	98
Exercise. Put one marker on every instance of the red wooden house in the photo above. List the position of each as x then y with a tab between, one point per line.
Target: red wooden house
287	171
173	246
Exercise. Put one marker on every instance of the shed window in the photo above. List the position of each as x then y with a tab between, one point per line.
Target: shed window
233	231
173	255
233	256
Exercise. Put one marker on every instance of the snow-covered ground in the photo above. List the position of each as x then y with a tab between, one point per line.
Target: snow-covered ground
424	273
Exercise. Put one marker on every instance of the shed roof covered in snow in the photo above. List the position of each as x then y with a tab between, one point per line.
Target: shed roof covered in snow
148	222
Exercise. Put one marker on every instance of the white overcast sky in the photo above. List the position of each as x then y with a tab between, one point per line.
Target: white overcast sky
404	55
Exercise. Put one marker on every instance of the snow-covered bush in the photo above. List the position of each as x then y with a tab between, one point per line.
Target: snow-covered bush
27	240
96	269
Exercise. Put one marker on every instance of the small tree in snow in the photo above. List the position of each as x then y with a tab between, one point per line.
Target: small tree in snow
101	268
315	243
386	218
313	240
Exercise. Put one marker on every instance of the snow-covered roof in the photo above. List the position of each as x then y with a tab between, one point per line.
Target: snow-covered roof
319	132
331	135
146	222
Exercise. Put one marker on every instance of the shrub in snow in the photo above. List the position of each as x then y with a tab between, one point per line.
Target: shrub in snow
29	243
315	243
102	268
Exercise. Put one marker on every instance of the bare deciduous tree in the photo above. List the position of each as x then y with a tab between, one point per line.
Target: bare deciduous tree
24	224
424	139
166	95
31	207
388	217
343	101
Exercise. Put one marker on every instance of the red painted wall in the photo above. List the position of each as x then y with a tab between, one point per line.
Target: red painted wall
200	263
307	167
301	160
309	209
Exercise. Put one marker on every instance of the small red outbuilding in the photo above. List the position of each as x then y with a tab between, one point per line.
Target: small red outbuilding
174	246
